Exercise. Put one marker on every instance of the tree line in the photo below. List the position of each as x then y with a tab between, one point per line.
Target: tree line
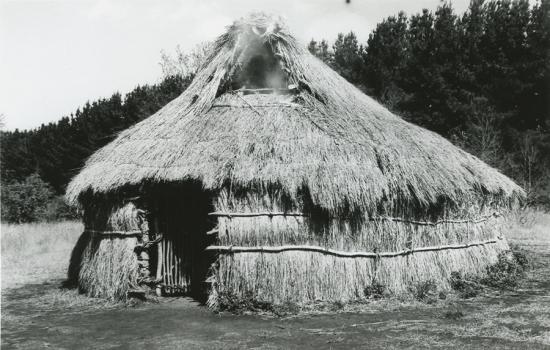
480	79
38	164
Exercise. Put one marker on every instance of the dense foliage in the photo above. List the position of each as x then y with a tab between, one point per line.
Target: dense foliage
481	79
33	200
58	150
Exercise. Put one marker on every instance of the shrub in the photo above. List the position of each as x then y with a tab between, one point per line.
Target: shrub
521	257
466	288
25	201
33	200
425	291
374	291
288	309
504	274
507	271
248	303
57	209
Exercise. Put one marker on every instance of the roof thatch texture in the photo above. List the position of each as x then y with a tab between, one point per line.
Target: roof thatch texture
330	139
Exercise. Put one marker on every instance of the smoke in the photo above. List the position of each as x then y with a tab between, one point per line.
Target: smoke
259	68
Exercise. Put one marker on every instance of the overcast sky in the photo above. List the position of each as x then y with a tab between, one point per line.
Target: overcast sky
57	54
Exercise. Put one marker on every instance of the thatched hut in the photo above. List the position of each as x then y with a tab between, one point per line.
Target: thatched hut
272	177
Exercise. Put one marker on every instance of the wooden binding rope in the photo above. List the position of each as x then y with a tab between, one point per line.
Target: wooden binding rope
149	244
307	248
380	218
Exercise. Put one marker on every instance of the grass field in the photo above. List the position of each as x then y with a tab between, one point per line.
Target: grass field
36	252
529	227
37	312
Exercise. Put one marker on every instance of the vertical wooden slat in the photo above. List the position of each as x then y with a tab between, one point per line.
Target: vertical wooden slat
180	269
170	265
176	262
182	274
182	282
177	256
159	256
165	263
167	259
185	257
182	264
176	266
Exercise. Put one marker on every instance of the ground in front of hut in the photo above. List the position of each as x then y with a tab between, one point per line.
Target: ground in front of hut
38	313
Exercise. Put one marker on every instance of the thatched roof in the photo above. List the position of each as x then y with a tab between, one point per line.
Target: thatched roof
342	146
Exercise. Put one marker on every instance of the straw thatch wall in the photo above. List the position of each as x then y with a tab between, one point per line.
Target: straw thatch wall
307	277
108	263
303	257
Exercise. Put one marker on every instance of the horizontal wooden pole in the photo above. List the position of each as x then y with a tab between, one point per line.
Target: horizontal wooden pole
240	215
263	90
378	218
317	249
116	234
439	222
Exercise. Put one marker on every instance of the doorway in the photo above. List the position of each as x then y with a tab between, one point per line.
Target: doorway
181	217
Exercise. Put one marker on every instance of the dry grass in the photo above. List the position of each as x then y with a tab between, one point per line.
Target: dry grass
528	227
33	253
39	254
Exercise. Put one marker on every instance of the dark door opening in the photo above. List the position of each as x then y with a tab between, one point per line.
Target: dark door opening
181	260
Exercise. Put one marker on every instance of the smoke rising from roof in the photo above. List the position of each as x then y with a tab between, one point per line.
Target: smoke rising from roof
257	67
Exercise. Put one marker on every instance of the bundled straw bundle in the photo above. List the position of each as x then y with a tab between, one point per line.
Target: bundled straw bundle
109	265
